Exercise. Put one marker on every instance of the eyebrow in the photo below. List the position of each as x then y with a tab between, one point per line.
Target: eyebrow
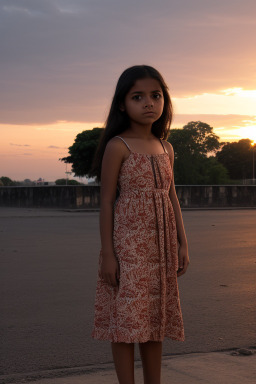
140	92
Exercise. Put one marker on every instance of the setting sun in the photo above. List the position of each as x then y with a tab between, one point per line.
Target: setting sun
248	133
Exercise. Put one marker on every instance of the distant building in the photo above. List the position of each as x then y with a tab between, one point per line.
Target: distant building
40	181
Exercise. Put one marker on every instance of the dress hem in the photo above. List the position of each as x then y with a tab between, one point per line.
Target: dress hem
102	337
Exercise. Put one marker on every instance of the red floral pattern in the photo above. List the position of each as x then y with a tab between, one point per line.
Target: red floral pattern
146	305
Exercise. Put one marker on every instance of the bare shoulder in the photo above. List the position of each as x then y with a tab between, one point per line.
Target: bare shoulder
115	146
116	150
168	146
169	149
115	143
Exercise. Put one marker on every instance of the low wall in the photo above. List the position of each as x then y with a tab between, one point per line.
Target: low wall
190	196
56	196
202	196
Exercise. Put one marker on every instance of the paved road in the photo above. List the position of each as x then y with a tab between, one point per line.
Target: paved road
48	277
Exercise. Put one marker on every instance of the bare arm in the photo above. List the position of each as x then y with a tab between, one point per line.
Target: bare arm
111	163
182	239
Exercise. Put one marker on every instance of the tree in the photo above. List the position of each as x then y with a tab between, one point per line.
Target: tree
82	152
237	158
196	137
7	181
215	172
192	145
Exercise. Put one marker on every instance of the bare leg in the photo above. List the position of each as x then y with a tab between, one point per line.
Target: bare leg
151	357
123	355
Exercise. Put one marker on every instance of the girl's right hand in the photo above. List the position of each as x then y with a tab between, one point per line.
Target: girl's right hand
109	271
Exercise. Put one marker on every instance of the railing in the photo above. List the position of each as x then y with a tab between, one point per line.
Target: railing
88	197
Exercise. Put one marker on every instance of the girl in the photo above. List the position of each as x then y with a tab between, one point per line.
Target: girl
143	242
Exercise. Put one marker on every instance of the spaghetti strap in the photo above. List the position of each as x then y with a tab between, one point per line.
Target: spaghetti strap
163	145
125	143
145	154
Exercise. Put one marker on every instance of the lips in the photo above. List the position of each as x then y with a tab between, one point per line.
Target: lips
149	113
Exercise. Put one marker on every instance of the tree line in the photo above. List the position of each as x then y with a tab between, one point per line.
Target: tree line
200	157
5	181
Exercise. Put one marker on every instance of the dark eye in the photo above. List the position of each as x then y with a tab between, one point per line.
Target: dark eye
136	97
157	95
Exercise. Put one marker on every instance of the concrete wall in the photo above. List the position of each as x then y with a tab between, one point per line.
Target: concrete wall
190	196
51	196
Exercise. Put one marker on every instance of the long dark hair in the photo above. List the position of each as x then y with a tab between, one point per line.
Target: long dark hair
118	121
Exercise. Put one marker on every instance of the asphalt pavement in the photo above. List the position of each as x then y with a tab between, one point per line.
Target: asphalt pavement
48	276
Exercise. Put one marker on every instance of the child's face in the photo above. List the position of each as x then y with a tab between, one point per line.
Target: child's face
144	102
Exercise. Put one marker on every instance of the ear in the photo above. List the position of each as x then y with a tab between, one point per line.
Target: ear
121	107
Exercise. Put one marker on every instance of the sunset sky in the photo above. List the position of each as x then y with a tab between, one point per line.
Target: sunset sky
60	60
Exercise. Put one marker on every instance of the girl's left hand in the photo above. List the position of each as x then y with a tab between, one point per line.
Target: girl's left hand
183	260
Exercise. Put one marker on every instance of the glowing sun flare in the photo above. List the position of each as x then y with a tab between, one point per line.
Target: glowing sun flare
248	133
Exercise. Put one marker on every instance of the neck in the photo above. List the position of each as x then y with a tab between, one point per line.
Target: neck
141	131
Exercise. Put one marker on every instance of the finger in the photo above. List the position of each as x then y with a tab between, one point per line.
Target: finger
113	281
117	276
110	282
106	279
186	265
181	271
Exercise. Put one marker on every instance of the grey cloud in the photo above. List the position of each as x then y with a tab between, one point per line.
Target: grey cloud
60	59
21	145
218	122
55	147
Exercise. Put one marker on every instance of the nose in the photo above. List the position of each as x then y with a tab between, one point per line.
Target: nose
148	103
